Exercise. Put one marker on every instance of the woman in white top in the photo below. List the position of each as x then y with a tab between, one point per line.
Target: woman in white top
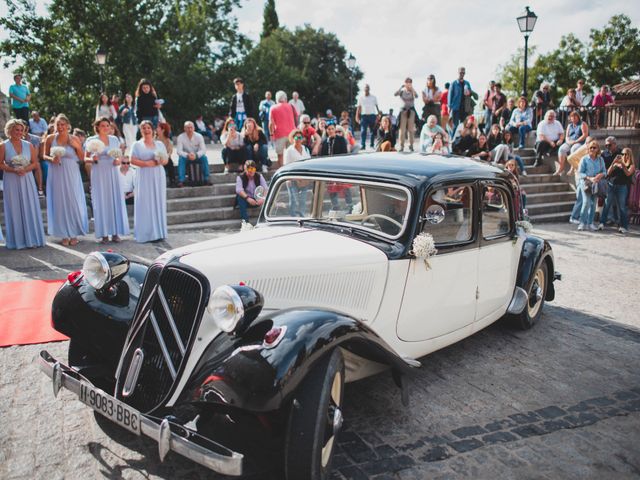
296	151
105	109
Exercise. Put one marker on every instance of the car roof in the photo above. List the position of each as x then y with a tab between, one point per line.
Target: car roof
412	170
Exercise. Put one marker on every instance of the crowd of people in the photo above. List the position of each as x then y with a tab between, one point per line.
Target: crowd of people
129	159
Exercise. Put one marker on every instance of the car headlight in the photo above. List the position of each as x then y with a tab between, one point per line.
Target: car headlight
234	307
102	269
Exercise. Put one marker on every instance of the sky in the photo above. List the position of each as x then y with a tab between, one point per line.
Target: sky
392	40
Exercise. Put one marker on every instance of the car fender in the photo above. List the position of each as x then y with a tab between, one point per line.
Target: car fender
243	372
98	321
535	250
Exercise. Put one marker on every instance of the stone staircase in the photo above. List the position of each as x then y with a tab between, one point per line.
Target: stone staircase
549	198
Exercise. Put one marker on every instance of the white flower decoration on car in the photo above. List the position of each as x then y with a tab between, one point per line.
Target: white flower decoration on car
160	156
526	226
58	151
424	247
20	161
94	146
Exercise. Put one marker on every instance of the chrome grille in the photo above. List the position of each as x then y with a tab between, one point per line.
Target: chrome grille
162	330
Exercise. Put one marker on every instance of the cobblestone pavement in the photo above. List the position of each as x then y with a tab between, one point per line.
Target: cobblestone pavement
559	401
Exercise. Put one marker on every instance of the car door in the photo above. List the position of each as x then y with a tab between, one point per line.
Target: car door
499	252
441	298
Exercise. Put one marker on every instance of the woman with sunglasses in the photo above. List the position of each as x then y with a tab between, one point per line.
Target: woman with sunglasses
620	175
591	170
233	150
255	142
150	207
297	150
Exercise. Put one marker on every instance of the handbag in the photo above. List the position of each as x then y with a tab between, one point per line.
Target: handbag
600	188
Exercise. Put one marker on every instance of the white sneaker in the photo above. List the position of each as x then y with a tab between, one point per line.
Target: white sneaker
226	170
623	230
593	227
524	173
581	227
574	221
601	226
265	169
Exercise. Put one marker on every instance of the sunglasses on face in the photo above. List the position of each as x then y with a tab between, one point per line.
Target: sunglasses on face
251	169
298	137
126	163
593	148
306	123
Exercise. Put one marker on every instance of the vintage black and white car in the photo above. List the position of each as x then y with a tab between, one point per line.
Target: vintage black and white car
234	352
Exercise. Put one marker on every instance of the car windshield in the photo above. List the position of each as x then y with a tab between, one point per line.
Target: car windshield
370	206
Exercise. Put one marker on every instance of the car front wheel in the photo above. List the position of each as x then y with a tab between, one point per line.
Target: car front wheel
537	292
315	421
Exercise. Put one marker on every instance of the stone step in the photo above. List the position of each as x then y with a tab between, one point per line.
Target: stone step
207	215
537	178
541	169
550	217
549	197
206	191
546	187
552	207
194	203
217	225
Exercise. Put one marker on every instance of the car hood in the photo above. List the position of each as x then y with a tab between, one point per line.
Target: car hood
294	266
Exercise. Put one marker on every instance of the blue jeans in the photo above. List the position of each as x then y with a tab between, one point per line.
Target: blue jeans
367	122
589	203
244	207
457	116
487	121
153	120
522	131
617	196
240	118
261	157
182	167
297	195
577	207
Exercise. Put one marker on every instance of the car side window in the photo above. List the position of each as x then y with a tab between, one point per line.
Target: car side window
495	212
448	215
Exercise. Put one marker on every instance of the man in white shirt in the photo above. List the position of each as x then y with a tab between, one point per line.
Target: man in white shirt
297	103
191	148
366	115
127	180
37	125
550	136
203	129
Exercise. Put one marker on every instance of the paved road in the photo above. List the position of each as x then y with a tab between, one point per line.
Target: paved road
559	401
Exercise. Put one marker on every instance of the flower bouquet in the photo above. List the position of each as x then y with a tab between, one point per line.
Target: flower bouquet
57	151
160	156
94	146
20	161
115	153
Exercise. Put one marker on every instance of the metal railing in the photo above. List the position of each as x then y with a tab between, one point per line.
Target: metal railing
609	117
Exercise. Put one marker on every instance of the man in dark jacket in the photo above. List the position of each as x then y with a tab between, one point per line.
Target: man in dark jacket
241	104
333	144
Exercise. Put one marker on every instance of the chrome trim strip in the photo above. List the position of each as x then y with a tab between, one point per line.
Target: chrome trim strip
227	464
132	375
172	323
127	344
163	346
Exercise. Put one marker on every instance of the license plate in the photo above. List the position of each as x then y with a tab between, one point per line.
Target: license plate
111	408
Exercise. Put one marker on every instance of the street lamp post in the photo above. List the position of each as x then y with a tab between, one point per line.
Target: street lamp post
351	65
101	59
526	22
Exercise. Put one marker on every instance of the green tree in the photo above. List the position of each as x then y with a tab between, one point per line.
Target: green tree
614	53
563	66
182	46
511	73
309	61
270	20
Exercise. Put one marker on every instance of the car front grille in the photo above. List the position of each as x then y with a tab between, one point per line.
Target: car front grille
170	308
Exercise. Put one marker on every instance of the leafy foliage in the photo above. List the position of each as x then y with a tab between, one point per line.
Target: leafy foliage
270	20
309	61
181	45
611	56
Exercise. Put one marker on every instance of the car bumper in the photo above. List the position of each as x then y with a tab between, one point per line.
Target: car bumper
170	436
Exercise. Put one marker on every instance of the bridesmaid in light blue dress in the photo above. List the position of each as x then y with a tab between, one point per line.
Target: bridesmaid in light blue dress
109	209
22	214
150	207
66	206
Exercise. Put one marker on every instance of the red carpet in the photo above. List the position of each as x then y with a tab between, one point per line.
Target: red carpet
25	312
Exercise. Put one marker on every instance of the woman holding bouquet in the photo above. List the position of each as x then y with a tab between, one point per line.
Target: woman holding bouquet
66	207
22	214
150	208
109	210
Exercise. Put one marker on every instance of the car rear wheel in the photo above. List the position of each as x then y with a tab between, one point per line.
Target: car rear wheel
537	292
315	421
